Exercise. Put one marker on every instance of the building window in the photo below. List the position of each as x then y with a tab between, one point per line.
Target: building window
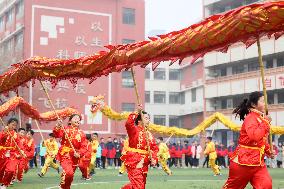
174	121
280	62
174	98
128	107
224	104
269	63
2	24
182	98
127	81
223	71
280	94
193	95
160	119
1	50
230	103
253	66
270	97
193	70
9	46
9	17
194	121
20	9
238	69
160	74
147	73
160	97
247	2
19	42
147	96
174	74
128	16
128	41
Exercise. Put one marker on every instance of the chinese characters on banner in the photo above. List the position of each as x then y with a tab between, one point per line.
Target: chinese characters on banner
62	87
273	82
67	34
82	40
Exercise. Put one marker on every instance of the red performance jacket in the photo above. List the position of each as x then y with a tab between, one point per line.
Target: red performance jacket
253	142
78	139
137	150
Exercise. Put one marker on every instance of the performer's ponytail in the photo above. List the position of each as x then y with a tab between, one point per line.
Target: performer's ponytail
244	108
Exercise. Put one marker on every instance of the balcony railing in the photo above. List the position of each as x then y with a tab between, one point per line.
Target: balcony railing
5	4
246	75
271	108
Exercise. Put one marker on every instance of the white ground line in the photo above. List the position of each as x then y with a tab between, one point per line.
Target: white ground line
124	181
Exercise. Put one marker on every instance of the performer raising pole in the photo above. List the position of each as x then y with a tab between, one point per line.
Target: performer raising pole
10	151
247	162
142	150
67	156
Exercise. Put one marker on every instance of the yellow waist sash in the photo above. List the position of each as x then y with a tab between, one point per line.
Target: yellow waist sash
261	149
136	150
7	148
65	149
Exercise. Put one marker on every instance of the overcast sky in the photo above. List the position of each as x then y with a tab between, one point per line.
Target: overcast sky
171	15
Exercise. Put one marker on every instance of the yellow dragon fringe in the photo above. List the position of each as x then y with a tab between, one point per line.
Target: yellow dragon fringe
172	130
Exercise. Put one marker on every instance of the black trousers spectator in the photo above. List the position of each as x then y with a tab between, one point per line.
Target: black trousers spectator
33	162
42	160
172	162
228	161
103	162
117	162
195	162
279	163
178	161
98	162
222	161
206	161
188	160
218	161
109	161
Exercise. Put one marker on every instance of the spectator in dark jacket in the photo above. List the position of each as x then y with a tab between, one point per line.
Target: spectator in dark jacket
172	148
187	154
179	152
118	149
104	153
110	152
231	150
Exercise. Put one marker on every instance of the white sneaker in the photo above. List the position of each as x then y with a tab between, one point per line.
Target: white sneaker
3	187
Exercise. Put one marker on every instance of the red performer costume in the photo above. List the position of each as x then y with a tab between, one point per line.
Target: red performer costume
136	158
69	159
29	148
9	153
247	162
85	161
21	160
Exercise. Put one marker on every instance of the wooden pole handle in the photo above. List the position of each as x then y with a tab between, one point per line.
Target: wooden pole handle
141	113
264	86
52	105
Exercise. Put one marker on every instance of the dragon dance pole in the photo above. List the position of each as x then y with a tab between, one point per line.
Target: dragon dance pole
264	86
142	117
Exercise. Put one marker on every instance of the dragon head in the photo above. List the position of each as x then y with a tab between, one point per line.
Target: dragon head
97	103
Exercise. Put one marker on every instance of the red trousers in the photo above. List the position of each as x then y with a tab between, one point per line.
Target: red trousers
22	166
84	168
69	166
137	179
8	168
240	176
2	169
